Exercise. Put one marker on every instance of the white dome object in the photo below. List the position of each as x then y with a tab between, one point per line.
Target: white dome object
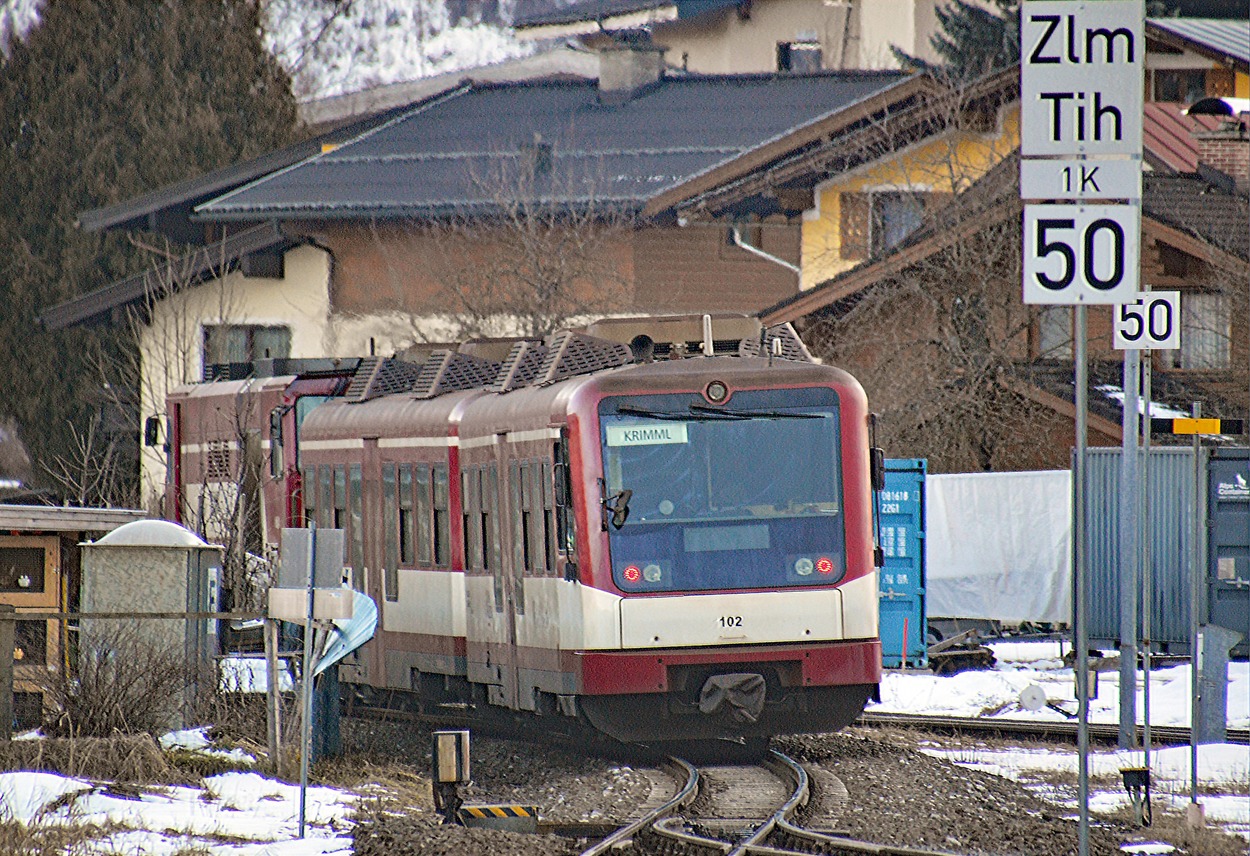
151	533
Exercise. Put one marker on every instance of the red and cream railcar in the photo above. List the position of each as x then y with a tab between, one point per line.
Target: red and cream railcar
670	549
667	548
229	475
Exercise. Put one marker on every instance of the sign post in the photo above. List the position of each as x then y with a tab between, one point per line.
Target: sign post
1081	132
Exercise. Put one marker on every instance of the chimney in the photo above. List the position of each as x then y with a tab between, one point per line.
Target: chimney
628	65
1227	150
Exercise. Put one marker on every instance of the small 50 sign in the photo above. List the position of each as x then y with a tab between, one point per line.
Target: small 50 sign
1081	253
1151	321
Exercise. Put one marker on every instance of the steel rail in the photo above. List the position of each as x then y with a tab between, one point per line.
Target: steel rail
1176	735
685	795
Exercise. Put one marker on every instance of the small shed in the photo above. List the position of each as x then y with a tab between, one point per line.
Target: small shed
41	572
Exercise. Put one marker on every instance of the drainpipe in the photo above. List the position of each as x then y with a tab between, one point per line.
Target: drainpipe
737	233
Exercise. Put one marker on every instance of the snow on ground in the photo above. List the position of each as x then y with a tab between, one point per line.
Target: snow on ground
234	814
995	693
246	814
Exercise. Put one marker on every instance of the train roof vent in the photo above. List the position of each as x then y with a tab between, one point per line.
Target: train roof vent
792	347
520	367
379	376
573	353
451	371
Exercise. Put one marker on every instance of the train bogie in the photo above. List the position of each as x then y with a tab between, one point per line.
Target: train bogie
671	549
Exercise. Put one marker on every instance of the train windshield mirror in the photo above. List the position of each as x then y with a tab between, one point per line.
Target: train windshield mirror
735	500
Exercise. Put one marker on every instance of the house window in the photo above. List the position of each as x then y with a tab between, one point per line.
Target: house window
872	223
1185	85
1054	333
1206	330
244	343
895	215
799	57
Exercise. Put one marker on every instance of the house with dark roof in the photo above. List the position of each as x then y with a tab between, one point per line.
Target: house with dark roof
728	36
405	225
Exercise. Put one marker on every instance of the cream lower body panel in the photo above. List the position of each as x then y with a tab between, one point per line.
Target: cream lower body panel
429	602
745	618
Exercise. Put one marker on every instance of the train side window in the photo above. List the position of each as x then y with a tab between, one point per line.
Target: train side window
356	521
423	515
490	530
391	526
520	549
308	494
325	499
470	494
407	552
558	519
442	519
339	518
536	519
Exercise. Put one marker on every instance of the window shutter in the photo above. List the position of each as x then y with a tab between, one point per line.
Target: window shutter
856	211
1220	82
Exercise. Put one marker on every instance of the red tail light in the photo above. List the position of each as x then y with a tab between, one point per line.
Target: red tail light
631	574
824	565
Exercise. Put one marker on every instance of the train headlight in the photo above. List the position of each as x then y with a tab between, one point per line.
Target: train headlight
824	565
803	567
651	573
631	574
716	392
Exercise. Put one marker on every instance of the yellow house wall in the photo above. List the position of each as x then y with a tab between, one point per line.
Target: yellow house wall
1241	85
945	164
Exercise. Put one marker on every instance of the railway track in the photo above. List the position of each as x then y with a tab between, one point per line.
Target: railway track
736	810
1159	735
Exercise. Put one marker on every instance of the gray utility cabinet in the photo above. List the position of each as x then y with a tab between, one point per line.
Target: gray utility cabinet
1223	505
153	566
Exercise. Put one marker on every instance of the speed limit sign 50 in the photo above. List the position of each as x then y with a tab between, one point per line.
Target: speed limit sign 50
1151	320
1081	253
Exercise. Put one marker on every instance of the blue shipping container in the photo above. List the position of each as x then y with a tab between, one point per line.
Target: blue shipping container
900	521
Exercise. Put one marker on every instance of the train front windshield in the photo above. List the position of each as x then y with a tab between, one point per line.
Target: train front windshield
748	495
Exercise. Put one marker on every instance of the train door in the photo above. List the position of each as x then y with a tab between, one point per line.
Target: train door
491	642
366	546
505	575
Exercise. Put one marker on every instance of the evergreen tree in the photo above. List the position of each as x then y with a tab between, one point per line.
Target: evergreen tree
101	102
972	42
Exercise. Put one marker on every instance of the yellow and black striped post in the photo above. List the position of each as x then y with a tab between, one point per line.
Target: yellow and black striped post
513	818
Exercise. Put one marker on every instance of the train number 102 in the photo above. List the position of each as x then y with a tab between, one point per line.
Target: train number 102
731	621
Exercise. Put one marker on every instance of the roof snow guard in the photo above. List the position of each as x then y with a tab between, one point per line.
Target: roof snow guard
521	367
574	353
792	347
378	376
452	371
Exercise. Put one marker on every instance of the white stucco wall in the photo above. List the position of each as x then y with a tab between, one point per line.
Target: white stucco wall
171	345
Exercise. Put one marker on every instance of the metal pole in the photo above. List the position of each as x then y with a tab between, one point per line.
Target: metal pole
1080	579
305	749
273	696
1129	474
1147	561
1195	595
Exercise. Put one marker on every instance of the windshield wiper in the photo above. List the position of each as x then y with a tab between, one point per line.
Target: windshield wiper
752	414
650	414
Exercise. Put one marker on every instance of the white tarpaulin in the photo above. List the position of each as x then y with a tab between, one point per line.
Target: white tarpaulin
999	546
